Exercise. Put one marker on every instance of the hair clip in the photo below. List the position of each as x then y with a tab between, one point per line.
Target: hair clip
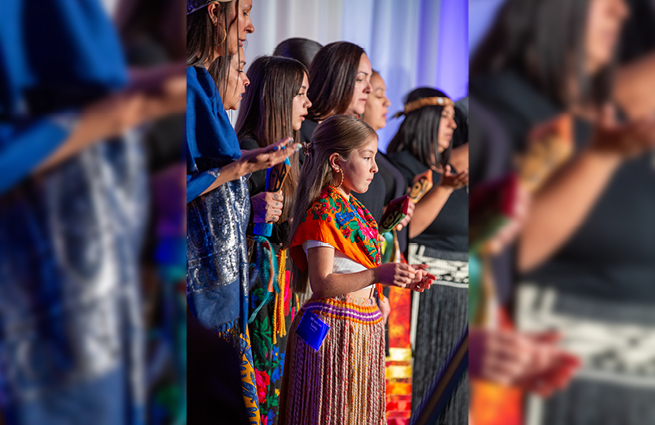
308	149
193	5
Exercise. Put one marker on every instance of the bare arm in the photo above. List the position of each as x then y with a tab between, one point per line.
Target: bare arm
107	118
159	92
254	160
431	204
326	284
460	157
562	207
428	209
565	203
634	87
231	171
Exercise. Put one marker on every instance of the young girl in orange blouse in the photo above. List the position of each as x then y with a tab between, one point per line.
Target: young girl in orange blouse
334	367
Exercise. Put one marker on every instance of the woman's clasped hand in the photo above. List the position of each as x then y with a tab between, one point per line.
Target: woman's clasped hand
414	277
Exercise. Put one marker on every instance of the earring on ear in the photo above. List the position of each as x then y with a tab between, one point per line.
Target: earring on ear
338	170
224	36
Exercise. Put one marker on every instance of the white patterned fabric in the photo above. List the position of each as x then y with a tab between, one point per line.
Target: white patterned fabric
439	317
616	343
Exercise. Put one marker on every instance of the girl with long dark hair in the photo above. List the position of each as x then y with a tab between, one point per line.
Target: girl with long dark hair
273	108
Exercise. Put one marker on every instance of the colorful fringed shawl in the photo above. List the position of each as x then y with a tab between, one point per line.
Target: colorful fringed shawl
343	223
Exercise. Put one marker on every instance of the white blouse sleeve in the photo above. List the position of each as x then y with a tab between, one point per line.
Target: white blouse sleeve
313	244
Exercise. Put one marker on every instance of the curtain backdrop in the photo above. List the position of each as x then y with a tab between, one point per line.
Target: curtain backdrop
412	43
481	15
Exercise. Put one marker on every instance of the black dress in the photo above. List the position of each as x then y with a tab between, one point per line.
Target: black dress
598	289
443	309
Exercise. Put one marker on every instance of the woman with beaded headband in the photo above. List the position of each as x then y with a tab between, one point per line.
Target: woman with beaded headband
335	249
217	194
438	236
273	108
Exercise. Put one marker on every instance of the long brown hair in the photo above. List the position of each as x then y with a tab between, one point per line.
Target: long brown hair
332	76
340	134
266	111
202	38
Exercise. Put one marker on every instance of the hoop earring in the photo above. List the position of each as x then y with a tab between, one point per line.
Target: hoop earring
224	37
341	182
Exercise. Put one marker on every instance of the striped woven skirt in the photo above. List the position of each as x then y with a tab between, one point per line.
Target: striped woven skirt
614	339
343	382
441	316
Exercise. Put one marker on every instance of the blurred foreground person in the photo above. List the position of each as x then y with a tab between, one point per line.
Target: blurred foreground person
152	34
585	254
72	214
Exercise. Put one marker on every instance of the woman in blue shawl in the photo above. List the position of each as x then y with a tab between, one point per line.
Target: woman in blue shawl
71	216
218	204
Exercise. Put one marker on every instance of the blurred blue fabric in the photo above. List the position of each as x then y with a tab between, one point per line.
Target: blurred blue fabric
55	56
70	320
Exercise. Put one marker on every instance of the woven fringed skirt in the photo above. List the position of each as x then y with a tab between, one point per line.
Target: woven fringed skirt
343	382
442	318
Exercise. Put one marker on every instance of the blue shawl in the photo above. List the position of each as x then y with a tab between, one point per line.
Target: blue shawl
210	138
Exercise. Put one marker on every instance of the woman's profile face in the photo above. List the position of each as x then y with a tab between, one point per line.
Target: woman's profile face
239	25
301	104
237	80
377	104
604	23
243	23
447	127
362	88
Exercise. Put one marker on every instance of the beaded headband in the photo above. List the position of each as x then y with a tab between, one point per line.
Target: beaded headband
193	5
426	101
